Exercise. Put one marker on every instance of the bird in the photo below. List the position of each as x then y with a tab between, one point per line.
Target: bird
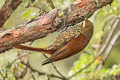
68	42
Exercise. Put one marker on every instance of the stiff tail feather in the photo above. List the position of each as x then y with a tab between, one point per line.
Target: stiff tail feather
34	49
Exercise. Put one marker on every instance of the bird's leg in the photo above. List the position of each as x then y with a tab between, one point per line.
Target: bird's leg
84	23
85	18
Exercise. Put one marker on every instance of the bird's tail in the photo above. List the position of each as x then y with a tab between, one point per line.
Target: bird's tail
34	49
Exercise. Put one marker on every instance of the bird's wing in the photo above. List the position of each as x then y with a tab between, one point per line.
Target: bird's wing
62	50
51	59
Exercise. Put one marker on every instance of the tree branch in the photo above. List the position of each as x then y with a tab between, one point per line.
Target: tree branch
7	9
49	23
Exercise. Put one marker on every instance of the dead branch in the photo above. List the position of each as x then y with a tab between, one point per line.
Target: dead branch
8	8
49	23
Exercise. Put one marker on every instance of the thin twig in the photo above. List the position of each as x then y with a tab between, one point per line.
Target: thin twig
42	73
108	37
33	77
56	68
2	75
117	43
18	58
114	26
106	21
110	46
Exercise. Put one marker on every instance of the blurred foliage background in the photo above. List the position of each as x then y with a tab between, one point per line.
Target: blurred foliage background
102	20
